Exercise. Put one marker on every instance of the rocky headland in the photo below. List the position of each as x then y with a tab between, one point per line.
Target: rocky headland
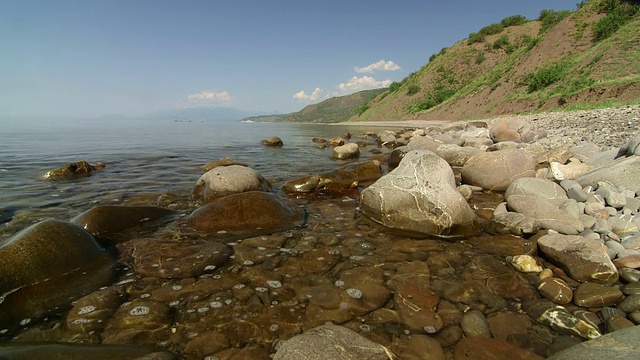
508	238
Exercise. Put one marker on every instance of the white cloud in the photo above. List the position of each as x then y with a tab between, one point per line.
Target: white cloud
210	97
362	83
302	95
378	66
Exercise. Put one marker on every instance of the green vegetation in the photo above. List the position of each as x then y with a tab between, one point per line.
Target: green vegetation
549	18
413	89
480	58
394	86
618	14
514	20
547	76
361	109
484	32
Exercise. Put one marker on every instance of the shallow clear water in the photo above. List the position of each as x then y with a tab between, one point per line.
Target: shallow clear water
141	157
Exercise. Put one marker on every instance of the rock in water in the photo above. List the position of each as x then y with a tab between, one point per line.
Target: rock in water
226	180
39	351
347	151
273	141
110	219
331	342
584	259
44	267
73	170
419	196
248	214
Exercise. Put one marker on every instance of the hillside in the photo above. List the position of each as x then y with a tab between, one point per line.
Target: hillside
332	110
561	60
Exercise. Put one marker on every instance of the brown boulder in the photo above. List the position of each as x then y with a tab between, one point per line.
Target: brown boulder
498	169
110	219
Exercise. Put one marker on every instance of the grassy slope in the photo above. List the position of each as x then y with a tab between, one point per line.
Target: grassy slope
332	110
483	80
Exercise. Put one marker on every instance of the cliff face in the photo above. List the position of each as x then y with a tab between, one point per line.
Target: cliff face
560	60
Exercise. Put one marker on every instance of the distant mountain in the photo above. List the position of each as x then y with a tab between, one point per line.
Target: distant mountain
201	113
336	109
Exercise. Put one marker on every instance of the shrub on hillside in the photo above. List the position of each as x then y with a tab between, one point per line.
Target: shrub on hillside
618	14
361	109
394	86
413	89
492	29
513	20
550	18
475	38
547	76
502	42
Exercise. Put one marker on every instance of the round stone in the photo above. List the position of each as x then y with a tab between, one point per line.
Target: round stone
596	295
631	288
556	290
616	323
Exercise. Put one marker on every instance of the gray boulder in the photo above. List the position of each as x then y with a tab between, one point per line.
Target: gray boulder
623	172
226	180
456	155
541	188
583	259
618	345
424	143
419	196
512	129
346	151
549	216
331	342
498	169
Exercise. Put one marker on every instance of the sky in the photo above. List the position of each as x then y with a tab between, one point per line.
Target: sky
88	58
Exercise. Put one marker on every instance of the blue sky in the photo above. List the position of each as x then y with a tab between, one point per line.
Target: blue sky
89	58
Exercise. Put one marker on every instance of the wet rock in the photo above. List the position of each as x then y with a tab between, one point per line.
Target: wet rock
225	161
346	152
596	295
629	304
499	278
616	323
91	313
506	245
549	216
73	170
335	141
141	321
331	342
416	303
475	324
630	261
481	348
250	213
419	196
618	345
559	319
543	189
165	258
273	141
525	264
584	260
70	351
226	180
504	325
512	129
206	344
339	181
44	267
495	171
417	347
556	290
111	219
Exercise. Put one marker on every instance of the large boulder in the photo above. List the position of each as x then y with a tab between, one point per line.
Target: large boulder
110	219
331	342
346	151
248	214
273	141
623	172
226	180
583	259
496	170
618	345
419	196
73	170
549	216
543	189
456	155
512	129
46	265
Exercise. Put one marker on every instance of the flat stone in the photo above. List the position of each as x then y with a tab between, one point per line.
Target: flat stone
618	345
549	216
623	172
556	290
543	189
585	260
495	171
559	319
616	323
629	304
111	219
417	347
330	342
596	295
481	348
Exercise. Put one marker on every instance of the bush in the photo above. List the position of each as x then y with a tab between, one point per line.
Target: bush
394	86
413	89
433	57
547	76
502	42
480	58
362	109
475	38
549	18
513	20
435	98
618	15
492	29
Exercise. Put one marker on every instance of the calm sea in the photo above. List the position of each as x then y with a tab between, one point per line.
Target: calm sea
141	157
